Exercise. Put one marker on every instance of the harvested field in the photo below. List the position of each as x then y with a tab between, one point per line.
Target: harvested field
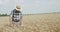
34	23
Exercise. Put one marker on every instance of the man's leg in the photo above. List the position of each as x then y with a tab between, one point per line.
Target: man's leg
21	23
12	24
16	24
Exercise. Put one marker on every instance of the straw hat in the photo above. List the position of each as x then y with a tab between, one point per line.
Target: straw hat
18	7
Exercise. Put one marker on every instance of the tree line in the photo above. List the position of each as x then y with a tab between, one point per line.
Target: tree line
4	14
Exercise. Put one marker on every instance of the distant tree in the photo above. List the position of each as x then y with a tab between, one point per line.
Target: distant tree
5	14
0	14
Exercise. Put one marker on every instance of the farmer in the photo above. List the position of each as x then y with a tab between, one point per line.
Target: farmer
16	17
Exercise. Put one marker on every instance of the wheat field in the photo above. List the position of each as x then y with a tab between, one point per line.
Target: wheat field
33	23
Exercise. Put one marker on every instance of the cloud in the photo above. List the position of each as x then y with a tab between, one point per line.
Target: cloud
2	2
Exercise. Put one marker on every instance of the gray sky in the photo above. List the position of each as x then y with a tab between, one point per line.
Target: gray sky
30	6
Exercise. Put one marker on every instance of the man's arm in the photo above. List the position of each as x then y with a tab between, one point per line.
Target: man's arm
10	18
21	16
20	19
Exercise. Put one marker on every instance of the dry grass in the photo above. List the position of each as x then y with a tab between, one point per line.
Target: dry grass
34	23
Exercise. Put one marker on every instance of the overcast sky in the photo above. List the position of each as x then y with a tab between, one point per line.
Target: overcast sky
30	6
